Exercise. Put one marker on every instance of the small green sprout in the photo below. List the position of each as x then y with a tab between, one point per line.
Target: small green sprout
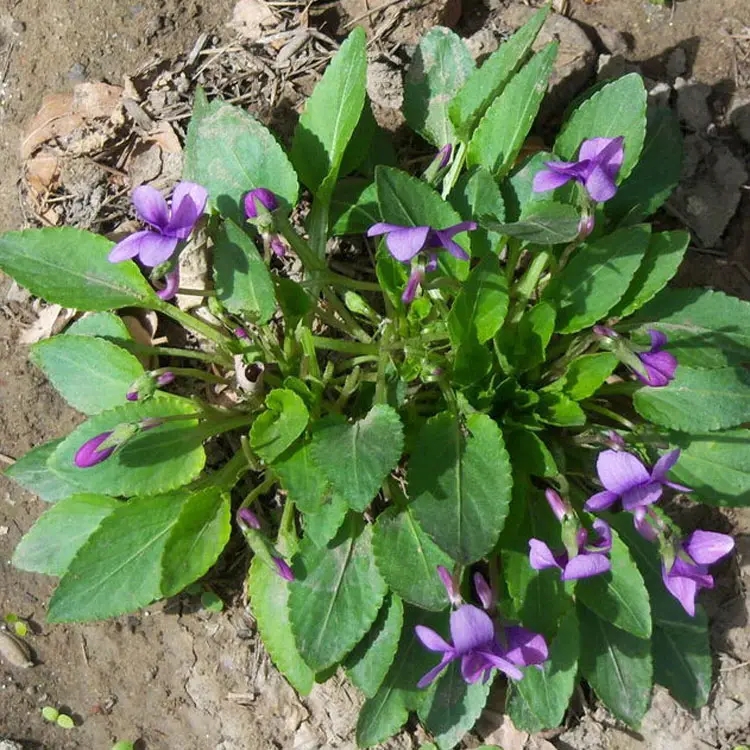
17	624
51	714
212	602
123	745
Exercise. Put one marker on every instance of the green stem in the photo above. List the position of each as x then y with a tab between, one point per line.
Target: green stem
526	286
231	472
197	292
341	345
353	328
167	351
591	406
257	491
383	359
195	324
303	251
452	176
338	279
192	372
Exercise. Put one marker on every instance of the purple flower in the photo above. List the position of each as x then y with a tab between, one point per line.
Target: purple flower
484	592
478	648
599	161
169	225
171	284
283	569
144	386
579	559
245	517
688	573
89	454
444	156
626	478
453	593
405	243
660	365
260	198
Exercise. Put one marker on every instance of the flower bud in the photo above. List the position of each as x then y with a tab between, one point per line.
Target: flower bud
585	226
90	454
283	569
259	201
245	517
484	591
450	586
559	508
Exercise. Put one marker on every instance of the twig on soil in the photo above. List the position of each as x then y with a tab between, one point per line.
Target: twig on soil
736	666
5	458
84	650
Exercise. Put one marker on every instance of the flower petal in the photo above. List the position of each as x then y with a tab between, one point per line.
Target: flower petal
412	285
470	629
484	591
547	179
432	640
473	665
382	228
188	203
600	185
430	676
171	285
660	368
663	465
525	647
620	471
708	547
444	240
462	226
150	206
643	526
604	532
585	565
540	556
156	249
601	501
658	339
639	497
129	247
604	151
404	243
683	589
504	665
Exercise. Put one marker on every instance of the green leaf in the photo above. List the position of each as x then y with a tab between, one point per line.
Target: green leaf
65	721
585	375
387	711
196	540
680	643
321	526
397	536
69	267
269	597
409	202
372	446
53	541
300	476
528	453
518	189
476	194
294	301
524	344
616	109
501	132
557	409
597	276
118	569
91	374
657	172
440	66
336	595
715	465
106	325
370	661
698	400
331	115
617	665
354	207
480	307
229	152
485	83
154	461
545	223
663	257
620	596
453	706
33	474
284	420
540	699
243	283
705	328
460	485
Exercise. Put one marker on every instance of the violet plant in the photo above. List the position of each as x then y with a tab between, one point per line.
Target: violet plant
386	430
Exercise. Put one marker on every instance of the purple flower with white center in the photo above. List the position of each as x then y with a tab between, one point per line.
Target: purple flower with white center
169	226
599	161
688	573
626	478
660	366
90	454
259	201
579	559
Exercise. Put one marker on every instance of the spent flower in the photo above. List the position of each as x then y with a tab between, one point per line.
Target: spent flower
599	161
169	224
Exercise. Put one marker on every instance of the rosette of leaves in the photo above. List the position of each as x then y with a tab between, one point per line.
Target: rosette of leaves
401	437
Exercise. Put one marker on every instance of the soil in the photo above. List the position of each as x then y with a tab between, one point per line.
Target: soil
176	676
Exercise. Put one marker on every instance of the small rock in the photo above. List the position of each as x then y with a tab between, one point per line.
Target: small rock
659	94
10	745
77	73
613	40
676	63
482	44
739	115
18	27
250	18
609	67
385	85
692	104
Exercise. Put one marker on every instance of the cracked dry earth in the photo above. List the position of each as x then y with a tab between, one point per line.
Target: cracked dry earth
177	677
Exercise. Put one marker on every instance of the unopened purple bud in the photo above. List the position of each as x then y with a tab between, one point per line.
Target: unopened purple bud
131	395
484	591
605	332
89	454
283	569
615	441
278	248
556	503
241	333
247	518
450	587
445	155
259	195
165	378
412	286
585	226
